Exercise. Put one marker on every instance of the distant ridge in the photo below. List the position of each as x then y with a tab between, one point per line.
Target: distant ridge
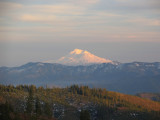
83	68
80	57
129	78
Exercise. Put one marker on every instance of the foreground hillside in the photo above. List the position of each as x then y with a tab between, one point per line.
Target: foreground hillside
73	103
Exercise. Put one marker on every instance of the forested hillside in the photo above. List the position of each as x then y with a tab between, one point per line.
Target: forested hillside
73	103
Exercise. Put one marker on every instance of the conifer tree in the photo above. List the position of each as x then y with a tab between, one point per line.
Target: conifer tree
30	102
84	115
38	106
47	110
5	110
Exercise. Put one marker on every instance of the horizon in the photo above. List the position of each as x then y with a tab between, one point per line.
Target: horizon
119	30
100	53
77	52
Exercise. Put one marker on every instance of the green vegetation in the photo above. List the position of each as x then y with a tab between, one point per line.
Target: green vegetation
73	103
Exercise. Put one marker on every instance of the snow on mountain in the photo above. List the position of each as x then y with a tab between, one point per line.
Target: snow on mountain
81	57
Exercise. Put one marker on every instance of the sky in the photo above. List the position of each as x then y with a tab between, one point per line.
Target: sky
41	30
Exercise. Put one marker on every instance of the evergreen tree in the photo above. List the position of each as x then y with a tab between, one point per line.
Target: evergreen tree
5	110
103	113
84	115
47	110
30	102
17	117
38	110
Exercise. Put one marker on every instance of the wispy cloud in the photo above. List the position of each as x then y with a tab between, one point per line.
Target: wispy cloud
62	9
90	19
7	7
37	18
145	21
84	2
10	5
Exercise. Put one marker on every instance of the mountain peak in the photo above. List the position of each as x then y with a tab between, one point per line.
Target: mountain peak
76	51
81	57
79	51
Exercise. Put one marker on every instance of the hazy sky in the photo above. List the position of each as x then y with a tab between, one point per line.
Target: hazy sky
40	30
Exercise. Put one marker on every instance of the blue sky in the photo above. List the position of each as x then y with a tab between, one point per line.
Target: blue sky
39	30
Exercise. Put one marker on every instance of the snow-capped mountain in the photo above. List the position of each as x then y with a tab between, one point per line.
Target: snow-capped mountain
83	68
81	57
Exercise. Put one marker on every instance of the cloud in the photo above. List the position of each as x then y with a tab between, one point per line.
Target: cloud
64	14
10	6
67	15
145	21
78	19
37	18
130	6
6	7
84	2
107	14
62	9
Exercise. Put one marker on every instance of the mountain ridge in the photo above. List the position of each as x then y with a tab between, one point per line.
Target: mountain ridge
83	68
130	78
